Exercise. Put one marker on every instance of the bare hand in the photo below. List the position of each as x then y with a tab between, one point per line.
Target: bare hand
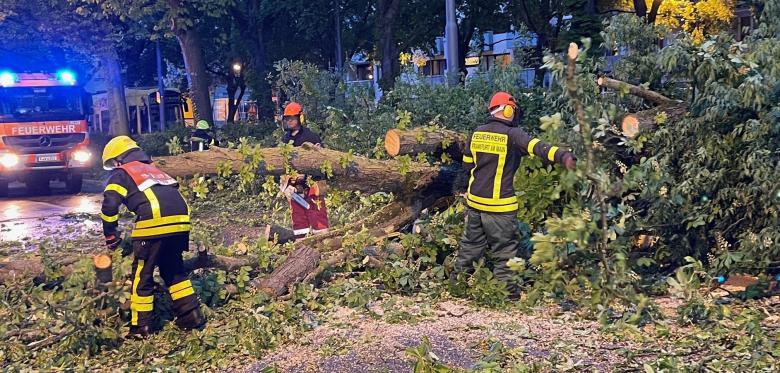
570	163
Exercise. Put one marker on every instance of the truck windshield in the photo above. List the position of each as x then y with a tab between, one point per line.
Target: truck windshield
28	104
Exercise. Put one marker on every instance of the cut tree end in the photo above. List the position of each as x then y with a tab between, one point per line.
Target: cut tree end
630	126
600	81
101	261
574	51
393	142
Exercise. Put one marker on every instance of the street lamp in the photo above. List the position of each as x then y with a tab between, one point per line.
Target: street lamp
237	68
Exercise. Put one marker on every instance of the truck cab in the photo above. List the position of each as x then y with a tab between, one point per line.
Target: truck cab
43	130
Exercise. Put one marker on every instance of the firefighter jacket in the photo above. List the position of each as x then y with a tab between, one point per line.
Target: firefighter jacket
152	195
492	157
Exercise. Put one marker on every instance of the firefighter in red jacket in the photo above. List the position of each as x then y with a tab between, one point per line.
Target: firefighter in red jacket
160	236
491	158
307	199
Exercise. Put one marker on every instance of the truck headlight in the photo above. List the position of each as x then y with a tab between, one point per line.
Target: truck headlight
81	156
9	160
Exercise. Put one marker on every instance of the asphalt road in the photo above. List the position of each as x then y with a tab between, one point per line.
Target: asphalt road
24	216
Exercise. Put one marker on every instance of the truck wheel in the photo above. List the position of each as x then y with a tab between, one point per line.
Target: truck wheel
3	188
73	184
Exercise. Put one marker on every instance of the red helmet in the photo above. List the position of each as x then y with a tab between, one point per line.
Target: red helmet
293	109
501	99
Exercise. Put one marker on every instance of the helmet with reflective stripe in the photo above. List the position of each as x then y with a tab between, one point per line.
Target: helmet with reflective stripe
116	147
202	125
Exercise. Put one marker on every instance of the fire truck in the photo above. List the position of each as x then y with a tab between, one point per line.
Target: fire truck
43	130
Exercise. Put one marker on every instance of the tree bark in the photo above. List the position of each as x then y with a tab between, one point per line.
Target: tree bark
119	121
387	10
425	140
643	121
195	64
651	17
640	8
234	84
298	265
638	91
348	172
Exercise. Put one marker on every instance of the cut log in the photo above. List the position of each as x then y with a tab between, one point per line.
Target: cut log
635	90
279	234
349	172
103	272
646	120
427	140
298	265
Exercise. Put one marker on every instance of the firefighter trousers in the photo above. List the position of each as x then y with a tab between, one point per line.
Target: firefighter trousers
166	254
313	220
493	235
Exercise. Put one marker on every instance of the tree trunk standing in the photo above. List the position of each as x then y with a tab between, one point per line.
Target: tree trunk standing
339	48
654	11
235	84
640	8
541	40
387	10
197	75
119	122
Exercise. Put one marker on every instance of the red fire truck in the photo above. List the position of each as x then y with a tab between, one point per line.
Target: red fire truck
43	130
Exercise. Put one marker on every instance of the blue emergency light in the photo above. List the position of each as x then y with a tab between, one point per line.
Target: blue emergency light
66	77
7	78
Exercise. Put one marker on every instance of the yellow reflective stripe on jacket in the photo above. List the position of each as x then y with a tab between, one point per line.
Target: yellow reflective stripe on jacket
492	143
488	208
492	201
116	188
173	219
551	153
531	145
467	159
109	219
154	204
156	231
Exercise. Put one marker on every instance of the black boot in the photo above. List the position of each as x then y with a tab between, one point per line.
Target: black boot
191	320
140	331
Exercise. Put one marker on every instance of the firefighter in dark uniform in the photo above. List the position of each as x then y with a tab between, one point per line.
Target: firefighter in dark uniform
201	139
160	236
313	219
492	157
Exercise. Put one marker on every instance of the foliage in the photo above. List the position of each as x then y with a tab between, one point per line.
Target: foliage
721	159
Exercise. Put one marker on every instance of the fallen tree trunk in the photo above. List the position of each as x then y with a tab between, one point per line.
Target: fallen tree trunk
635	90
426	140
349	172
227	263
647	120
298	265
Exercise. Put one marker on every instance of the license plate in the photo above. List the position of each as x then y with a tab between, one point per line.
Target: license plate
40	158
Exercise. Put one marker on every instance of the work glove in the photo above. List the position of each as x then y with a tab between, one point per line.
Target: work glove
288	191
113	241
570	162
